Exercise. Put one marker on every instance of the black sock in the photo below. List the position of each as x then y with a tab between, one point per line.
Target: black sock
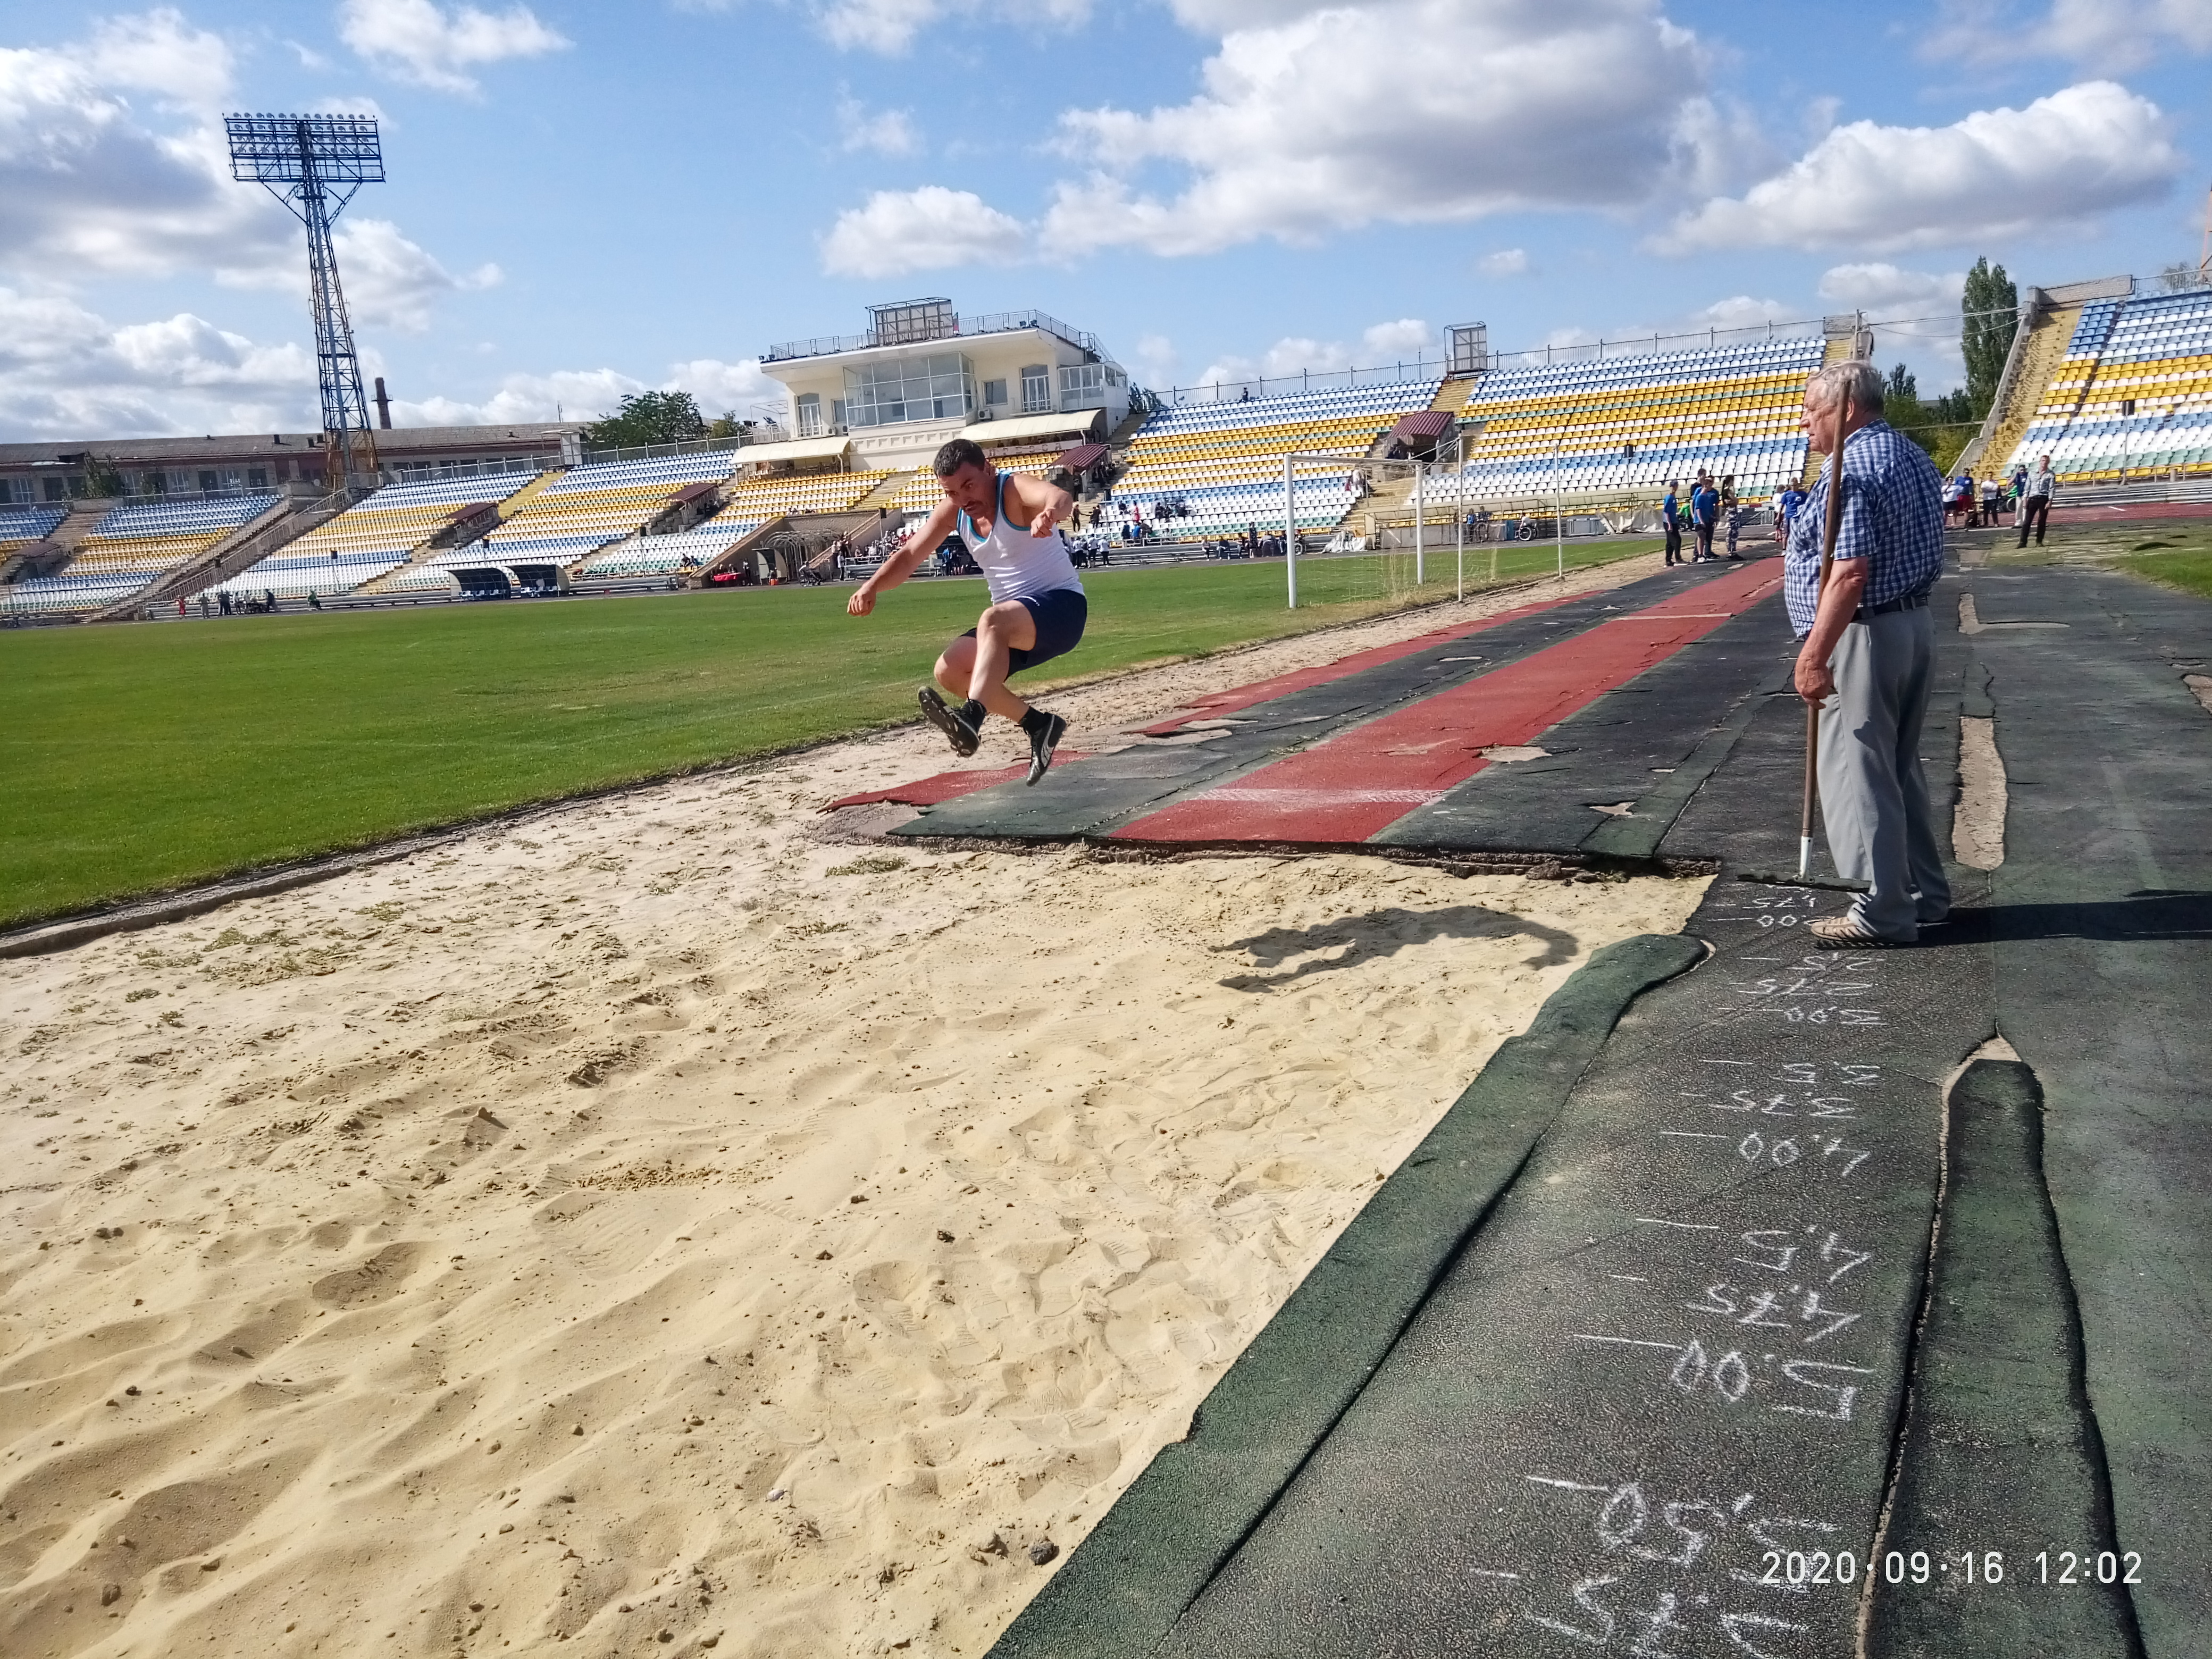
1035	721
972	712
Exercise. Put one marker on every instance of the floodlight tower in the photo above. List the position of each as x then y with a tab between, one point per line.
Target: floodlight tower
321	161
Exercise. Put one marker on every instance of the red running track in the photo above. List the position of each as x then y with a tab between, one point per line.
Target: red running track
1352	786
1243	696
947	785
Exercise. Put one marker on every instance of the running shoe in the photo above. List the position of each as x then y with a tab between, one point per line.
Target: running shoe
1848	932
1044	737
963	737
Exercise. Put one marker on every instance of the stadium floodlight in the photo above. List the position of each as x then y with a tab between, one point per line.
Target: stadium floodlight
314	164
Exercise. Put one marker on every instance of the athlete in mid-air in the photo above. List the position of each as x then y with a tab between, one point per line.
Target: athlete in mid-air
1011	523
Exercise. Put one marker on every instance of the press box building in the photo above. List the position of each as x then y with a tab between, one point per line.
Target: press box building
886	400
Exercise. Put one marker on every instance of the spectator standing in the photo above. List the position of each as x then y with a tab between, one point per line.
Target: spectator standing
2036	504
1729	512
1670	515
2019	490
1785	512
1867	660
1992	494
1704	512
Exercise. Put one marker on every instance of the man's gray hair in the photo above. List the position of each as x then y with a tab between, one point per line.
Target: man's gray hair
1857	376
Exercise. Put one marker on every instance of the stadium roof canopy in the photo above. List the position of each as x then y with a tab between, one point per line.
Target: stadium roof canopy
1011	428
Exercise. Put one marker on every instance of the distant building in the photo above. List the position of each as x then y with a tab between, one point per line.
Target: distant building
922	374
251	462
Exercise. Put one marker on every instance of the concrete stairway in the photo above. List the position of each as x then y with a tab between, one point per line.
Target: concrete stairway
2040	355
885	493
246	546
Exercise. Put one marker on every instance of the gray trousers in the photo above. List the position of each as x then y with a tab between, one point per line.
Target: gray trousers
1873	794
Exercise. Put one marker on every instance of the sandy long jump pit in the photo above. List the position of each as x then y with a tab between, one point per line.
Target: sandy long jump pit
662	1226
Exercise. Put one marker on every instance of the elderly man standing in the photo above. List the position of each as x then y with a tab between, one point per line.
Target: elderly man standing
1867	660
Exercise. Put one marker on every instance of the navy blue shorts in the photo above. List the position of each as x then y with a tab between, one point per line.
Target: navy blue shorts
1060	616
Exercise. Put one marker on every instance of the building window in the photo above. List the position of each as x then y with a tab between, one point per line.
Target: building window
1036	389
1083	385
257	477
933	388
209	483
60	490
838	414
810	414
995	392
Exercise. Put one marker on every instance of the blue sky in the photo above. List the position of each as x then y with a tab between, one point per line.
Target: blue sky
585	200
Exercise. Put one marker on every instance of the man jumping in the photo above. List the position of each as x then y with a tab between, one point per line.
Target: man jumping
1009	523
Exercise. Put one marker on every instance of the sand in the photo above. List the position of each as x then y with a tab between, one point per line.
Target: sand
664	1216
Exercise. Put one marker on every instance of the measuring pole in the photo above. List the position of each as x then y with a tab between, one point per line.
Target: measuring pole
1558	525
1459	537
1290	533
1420	540
1831	529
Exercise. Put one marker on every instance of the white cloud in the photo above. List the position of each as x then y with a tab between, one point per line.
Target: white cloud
414	40
586	394
1156	361
566	394
391	283
1293	355
931	228
1404	111
719	385
888	132
91	190
1403	339
1925	305
888	26
2059	162
158	52
66	373
1880	287
2105	34
884	26
1505	261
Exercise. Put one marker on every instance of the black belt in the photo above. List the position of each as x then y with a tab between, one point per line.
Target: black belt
1909	602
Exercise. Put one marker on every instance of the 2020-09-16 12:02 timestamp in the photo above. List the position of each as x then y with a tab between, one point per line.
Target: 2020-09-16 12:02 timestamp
2055	1567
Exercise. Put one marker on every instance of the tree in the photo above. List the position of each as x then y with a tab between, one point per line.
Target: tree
648	417
1990	314
103	478
1901	406
727	425
2178	278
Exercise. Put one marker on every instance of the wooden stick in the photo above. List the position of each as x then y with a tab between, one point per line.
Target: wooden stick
1829	532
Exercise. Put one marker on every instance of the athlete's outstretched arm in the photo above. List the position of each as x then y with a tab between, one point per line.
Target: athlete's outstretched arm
1043	505
898	567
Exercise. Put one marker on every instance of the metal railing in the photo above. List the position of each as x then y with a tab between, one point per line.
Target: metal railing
1425	368
661	452
993	322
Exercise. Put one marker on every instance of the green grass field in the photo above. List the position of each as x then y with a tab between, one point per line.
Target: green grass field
142	757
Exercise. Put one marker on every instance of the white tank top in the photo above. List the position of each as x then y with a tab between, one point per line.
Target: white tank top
1016	564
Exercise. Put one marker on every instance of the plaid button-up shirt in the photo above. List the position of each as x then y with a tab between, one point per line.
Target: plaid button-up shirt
1893	518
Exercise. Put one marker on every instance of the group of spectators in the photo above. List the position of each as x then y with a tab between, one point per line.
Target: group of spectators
2023	494
1711	505
222	604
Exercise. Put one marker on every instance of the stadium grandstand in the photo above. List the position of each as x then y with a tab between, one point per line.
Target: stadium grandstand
130	546
2131	397
377	534
1214	468
19	527
1626	426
